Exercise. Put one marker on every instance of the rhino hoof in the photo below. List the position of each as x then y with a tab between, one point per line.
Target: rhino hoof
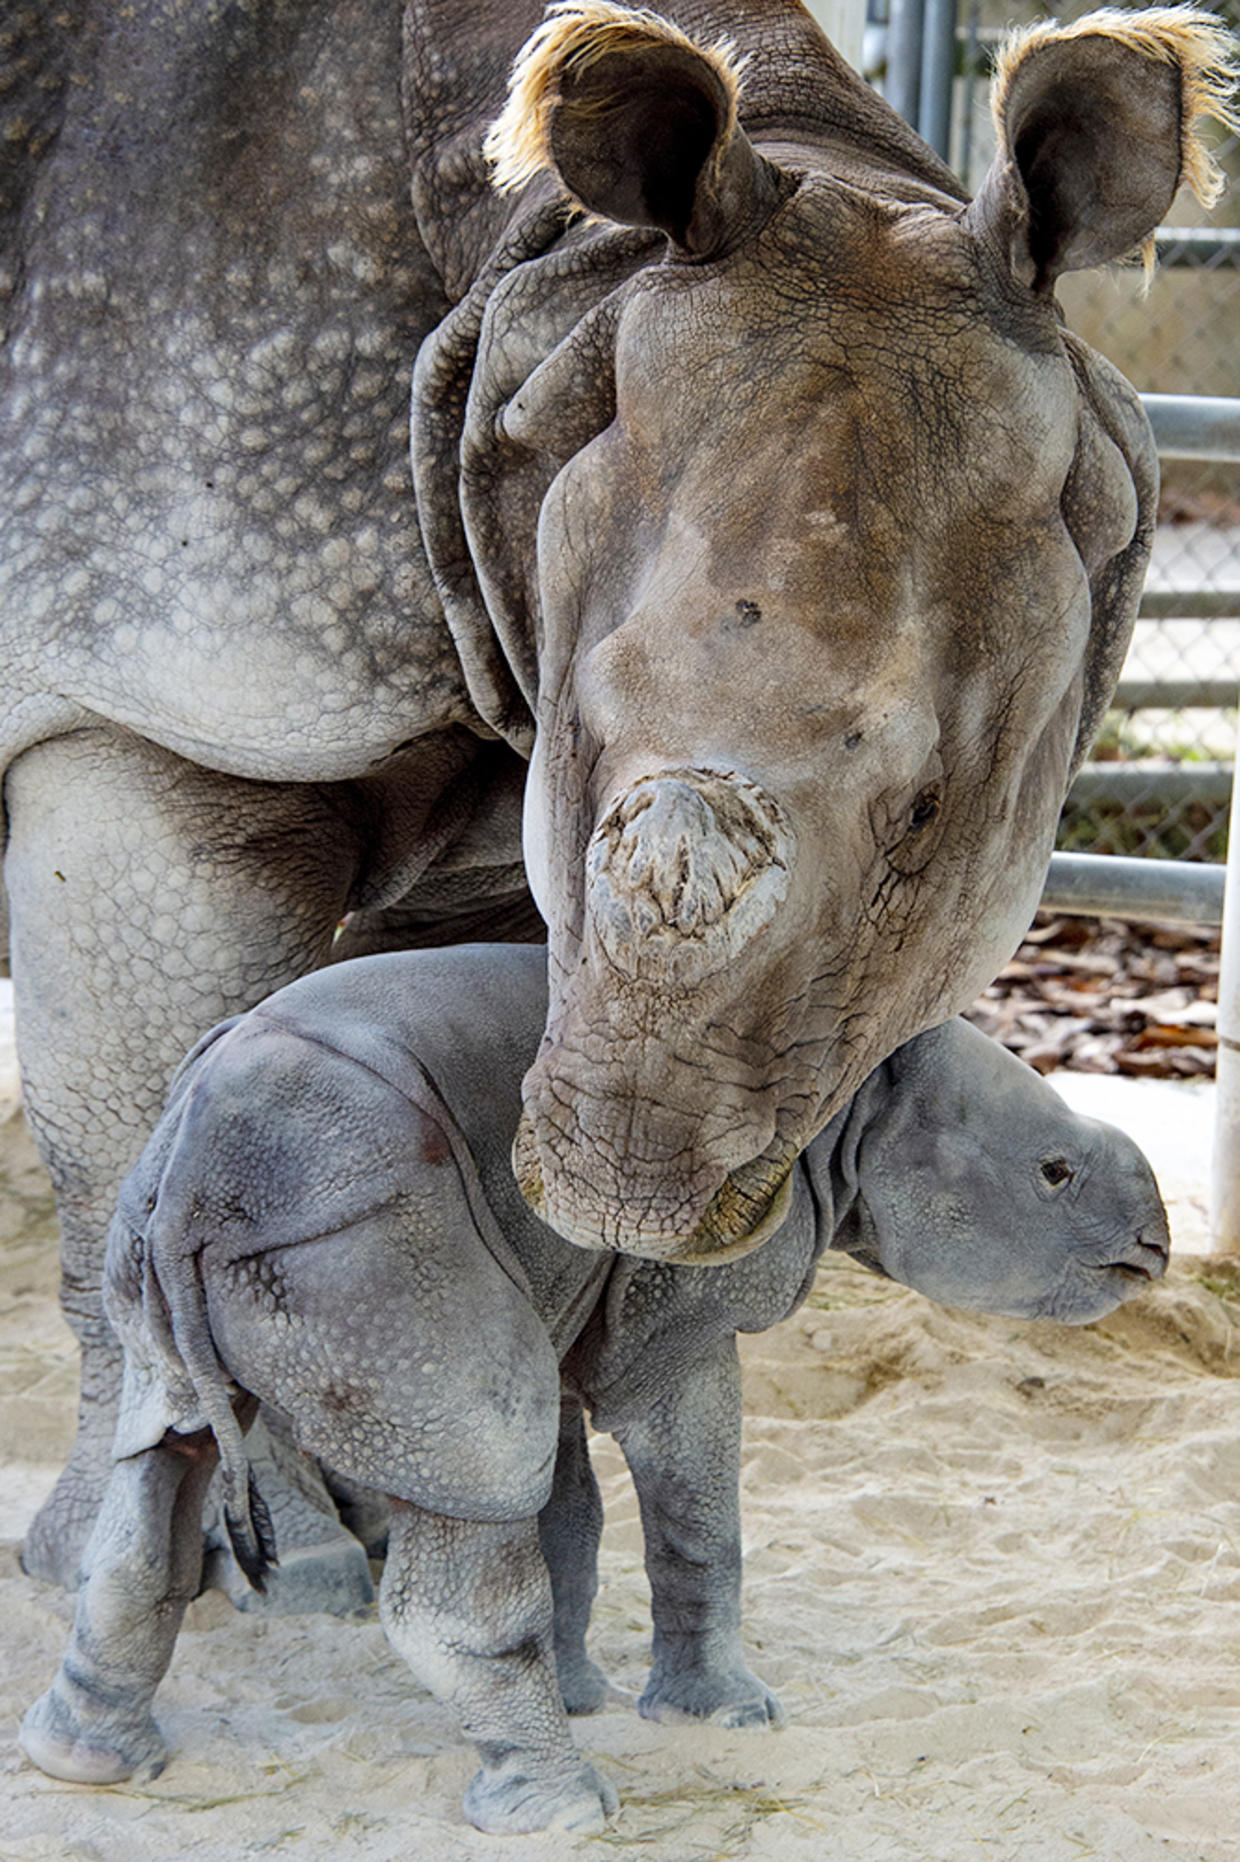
58	1745
333	1577
729	1700
514	1800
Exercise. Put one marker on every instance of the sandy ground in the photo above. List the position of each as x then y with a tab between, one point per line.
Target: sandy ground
993	1570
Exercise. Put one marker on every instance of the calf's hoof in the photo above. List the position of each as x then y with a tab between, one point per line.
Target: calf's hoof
583	1686
518	1799
60	1745
739	1700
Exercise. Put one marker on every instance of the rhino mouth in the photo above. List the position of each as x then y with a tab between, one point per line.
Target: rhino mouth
749	1206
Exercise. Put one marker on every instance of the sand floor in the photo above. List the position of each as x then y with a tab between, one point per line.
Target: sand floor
992	1569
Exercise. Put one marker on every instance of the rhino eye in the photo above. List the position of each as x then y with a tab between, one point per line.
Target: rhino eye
925	810
918	830
1057	1170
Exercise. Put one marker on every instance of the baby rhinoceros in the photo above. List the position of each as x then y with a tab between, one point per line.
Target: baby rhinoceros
326	1220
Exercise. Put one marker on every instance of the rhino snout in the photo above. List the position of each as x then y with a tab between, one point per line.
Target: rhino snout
683	870
1145	1256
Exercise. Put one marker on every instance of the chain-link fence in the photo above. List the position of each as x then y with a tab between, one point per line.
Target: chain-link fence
1159	782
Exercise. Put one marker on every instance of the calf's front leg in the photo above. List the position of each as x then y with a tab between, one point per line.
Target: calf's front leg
684	1456
468	1605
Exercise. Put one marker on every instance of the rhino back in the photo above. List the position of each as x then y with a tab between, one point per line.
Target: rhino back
219	290
466	1022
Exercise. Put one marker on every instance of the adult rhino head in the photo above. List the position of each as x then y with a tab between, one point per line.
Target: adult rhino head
840	538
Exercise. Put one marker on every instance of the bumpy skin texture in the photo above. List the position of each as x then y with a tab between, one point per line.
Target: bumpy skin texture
813	435
325	1219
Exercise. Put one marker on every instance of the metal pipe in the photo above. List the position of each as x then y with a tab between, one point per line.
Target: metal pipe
1195	426
1198	247
1225	1153
1192	604
904	42
970	86
1143	891
1161	781
938	73
1175	695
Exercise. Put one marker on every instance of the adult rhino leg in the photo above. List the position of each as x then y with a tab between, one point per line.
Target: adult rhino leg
149	898
468	1605
475	891
140	1569
684	1455
570	1527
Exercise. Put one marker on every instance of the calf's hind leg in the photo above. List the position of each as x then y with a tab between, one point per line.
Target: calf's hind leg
468	1605
570	1527
140	1569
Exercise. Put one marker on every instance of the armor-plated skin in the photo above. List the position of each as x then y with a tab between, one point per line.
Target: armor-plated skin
325	1218
769	510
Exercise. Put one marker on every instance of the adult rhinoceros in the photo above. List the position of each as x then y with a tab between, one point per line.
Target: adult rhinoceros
766	504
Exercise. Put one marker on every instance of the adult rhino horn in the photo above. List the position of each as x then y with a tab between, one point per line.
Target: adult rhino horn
639	123
682	872
1096	126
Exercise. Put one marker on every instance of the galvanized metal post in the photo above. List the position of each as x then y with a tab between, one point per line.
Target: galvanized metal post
904	43
843	21
971	32
938	75
1225	1157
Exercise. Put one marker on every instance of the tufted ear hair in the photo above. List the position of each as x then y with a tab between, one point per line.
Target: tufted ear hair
639	123
1096	124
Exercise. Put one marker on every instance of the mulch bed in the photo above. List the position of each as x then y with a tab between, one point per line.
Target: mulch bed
1099	996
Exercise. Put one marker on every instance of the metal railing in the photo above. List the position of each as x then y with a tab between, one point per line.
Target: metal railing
1194	427
1102	885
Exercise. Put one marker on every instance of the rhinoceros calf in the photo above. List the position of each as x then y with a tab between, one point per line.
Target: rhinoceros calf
326	1219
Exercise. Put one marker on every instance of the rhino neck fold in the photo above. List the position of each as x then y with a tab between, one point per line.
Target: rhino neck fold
479	492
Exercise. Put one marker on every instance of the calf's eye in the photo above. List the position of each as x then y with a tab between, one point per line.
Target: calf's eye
1057	1170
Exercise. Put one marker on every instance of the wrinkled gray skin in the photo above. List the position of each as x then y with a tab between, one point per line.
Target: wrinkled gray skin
775	514
326	1217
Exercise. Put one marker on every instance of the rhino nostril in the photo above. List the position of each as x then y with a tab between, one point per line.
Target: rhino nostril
1148	1259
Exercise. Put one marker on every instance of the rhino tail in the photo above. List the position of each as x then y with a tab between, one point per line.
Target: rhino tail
247	1517
250	1531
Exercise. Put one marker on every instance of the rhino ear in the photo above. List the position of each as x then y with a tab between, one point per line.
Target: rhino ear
1096	130
639	123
